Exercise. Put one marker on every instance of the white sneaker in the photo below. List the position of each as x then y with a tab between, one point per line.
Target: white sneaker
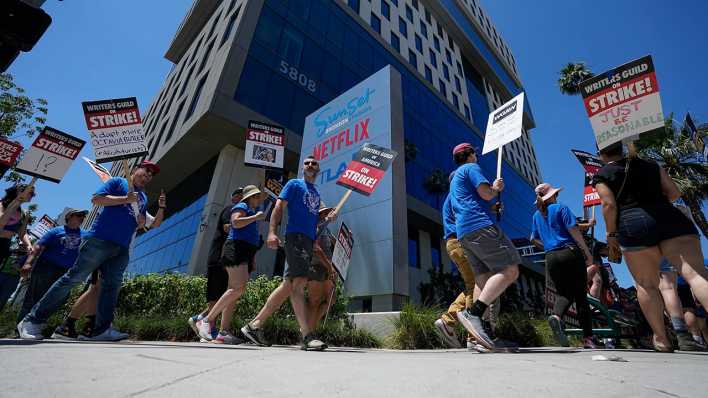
192	321
447	334
204	329
473	346
109	334
30	331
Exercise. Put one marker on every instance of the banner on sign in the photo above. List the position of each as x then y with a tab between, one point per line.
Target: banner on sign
342	255
623	102
42	226
592	165
103	173
504	124
367	169
115	128
265	145
9	151
50	155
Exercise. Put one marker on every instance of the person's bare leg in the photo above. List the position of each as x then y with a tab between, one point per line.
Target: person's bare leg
644	267
297	299
685	253
667	287
596	279
493	285
274	302
239	275
692	321
315	298
86	303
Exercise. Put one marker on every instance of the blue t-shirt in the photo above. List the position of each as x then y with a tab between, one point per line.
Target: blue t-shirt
249	233
466	202
448	218
303	207
61	245
553	230
117	223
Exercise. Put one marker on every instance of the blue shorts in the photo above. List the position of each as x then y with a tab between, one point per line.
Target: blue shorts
640	228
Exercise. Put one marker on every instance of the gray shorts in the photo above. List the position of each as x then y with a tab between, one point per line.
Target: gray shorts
298	255
489	250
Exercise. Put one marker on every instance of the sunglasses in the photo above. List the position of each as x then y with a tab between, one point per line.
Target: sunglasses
310	163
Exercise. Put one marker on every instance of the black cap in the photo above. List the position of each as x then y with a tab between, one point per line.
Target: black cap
237	191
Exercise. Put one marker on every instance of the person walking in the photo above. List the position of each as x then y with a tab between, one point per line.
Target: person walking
217	277
322	278
302	200
237	258
494	259
52	255
13	221
106	248
554	229
636	197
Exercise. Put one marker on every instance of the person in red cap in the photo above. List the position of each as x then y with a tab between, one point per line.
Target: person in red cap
105	248
554	229
494	259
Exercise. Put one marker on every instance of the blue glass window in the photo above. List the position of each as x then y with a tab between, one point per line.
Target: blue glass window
443	89
229	27
446	72
402	27
195	99
448	56
270	25
409	14
419	44
395	2
354	4
291	46
468	115
395	42
413	59
428	74
415	4
458	86
385	9
375	23
428	17
455	101
424	29
433	58
436	43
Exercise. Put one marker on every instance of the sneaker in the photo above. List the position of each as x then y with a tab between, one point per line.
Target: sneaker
214	330
686	342
474	325
588	343
473	346
447	334
609	343
204	329
64	332
256	336
310	343
30	331
192	321
225	337
558	330
109	334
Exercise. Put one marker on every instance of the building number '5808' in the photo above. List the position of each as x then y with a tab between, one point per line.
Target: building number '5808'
295	75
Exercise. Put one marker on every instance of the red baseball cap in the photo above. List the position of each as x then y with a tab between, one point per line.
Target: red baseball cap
148	165
461	147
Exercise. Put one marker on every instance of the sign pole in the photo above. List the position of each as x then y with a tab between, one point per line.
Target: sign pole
500	153
592	229
127	175
329	306
342	201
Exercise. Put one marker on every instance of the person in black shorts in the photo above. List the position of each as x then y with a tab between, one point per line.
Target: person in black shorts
217	277
237	257
637	198
302	200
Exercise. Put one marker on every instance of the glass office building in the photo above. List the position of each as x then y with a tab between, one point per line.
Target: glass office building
277	61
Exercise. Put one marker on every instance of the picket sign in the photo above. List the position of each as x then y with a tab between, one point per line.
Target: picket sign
504	125
50	155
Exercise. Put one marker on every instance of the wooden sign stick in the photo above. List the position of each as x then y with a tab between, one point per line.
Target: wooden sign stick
500	153
345	197
127	175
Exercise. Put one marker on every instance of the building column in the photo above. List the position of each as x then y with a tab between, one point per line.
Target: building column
228	174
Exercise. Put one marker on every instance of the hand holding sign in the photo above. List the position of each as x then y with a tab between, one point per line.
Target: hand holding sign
162	199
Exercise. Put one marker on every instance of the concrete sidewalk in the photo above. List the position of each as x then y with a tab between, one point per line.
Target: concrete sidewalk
147	369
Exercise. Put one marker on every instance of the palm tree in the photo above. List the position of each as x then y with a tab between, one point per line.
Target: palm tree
674	149
570	77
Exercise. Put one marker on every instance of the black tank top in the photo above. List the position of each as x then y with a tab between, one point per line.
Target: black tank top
643	186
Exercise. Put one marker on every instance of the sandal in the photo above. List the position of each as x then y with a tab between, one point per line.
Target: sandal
661	347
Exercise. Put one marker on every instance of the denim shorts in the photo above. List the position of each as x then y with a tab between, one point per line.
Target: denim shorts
640	228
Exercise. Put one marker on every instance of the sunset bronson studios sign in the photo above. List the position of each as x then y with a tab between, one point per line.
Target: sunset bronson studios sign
369	113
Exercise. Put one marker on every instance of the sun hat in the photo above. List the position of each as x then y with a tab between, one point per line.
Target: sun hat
546	191
75	212
250	190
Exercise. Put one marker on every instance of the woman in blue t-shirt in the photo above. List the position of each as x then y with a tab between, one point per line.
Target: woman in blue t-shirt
567	258
238	259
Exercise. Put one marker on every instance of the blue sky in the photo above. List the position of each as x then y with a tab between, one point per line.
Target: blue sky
107	49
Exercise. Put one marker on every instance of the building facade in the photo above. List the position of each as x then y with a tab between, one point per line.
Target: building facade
277	61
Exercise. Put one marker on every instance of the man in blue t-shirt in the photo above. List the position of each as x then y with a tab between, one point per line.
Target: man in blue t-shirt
493	257
105	248
303	203
54	253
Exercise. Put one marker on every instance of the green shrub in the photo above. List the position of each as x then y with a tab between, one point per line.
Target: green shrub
519	328
414	329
